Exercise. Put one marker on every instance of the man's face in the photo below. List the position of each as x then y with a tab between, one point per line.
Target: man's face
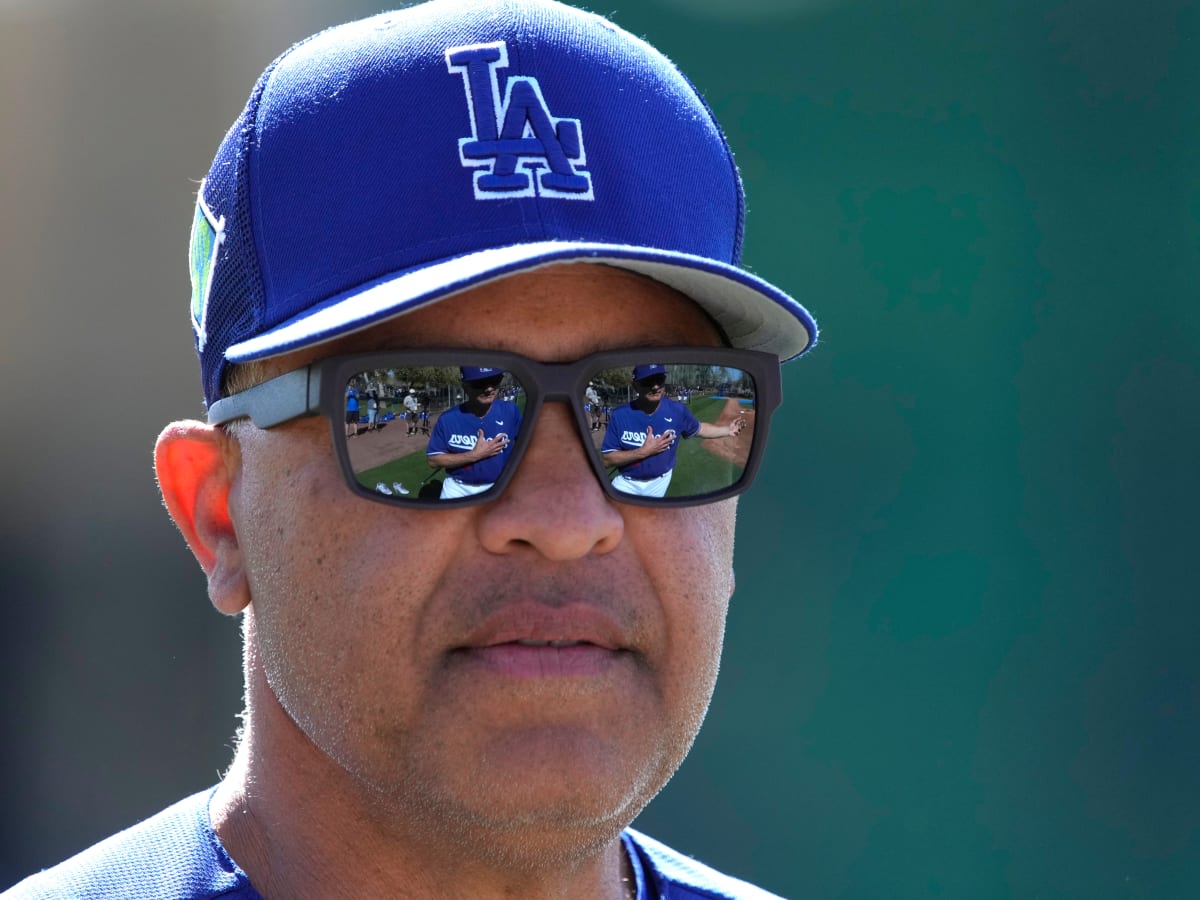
652	388
483	391
415	648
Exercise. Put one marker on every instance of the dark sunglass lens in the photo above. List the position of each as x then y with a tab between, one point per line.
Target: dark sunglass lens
686	430
428	432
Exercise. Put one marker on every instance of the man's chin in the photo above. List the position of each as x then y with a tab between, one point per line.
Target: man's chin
521	832
537	788
563	775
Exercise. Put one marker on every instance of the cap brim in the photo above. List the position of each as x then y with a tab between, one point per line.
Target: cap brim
753	314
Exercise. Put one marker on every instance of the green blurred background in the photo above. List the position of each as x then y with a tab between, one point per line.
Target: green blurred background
961	656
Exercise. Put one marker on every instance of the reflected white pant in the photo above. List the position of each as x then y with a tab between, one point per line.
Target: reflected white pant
655	487
452	488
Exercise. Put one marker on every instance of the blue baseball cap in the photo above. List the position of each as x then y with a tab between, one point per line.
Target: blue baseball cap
477	373
641	373
388	163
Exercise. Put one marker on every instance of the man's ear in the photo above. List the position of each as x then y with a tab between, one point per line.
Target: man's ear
195	464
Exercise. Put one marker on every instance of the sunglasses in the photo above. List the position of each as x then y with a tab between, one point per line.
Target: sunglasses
431	442
487	384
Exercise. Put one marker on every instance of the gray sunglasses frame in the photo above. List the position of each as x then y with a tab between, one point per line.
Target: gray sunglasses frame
319	389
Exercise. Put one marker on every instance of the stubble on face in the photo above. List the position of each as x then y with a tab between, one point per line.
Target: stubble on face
360	610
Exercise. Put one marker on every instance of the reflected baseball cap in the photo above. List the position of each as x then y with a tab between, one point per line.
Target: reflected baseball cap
388	163
478	373
641	373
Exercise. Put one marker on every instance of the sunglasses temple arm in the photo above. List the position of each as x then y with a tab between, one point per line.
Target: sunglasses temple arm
273	402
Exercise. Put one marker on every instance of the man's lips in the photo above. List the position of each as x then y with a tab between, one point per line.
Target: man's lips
542	660
528	639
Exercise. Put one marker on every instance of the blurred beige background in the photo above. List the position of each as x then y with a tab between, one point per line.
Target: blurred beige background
122	682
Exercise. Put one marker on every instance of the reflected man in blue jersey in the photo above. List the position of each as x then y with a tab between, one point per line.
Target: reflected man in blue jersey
471	441
643	435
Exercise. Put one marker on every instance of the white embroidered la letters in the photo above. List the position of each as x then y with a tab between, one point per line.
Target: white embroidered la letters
517	147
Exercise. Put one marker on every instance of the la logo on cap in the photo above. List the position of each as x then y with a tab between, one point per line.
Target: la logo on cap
517	146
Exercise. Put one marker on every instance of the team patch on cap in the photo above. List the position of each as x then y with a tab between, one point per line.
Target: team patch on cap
517	146
207	234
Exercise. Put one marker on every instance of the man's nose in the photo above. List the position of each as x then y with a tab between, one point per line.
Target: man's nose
553	503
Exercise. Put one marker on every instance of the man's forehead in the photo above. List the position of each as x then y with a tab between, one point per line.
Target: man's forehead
557	313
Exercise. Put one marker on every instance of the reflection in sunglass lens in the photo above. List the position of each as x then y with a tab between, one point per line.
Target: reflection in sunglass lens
685	433
683	430
433	434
